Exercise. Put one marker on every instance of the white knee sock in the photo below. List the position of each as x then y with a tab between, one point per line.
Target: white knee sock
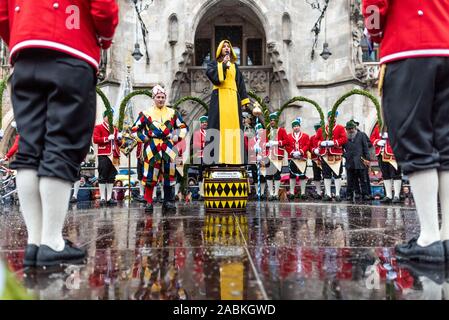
277	185
177	187
162	191
55	195
424	185
109	188
30	203
76	188
443	177
388	191
262	188
155	192
397	184
292	185
327	187
141	189
102	187
303	186
337	187
270	187
318	187
201	191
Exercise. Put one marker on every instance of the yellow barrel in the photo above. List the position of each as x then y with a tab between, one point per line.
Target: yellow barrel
225	189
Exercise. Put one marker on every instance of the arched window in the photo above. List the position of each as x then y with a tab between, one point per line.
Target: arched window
173	29
286	28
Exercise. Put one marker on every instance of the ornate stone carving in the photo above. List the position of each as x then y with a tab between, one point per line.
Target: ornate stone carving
182	75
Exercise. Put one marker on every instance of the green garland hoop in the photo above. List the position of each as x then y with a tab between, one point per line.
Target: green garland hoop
190	98
3	85
108	107
347	95
304	99
125	101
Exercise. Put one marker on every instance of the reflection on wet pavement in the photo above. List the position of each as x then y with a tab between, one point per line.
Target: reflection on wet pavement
276	251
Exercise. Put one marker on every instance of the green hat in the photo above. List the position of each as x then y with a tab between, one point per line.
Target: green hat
258	127
317	126
296	122
273	116
105	113
350	125
203	119
330	112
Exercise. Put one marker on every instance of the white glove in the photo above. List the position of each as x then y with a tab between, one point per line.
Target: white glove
385	135
317	151
83	164
327	143
259	158
175	139
111	137
272	143
119	136
381	143
3	160
296	154
1	133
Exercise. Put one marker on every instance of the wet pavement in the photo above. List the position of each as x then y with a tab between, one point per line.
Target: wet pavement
277	251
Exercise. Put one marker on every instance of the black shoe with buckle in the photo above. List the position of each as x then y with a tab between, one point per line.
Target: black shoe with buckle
337	199
102	203
291	197
396	200
432	271
327	198
111	203
30	255
386	200
47	257
413	251
149	207
446	249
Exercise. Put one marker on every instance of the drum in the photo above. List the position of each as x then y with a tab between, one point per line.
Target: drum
226	189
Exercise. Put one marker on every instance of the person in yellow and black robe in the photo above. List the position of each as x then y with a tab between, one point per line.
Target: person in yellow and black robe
225	111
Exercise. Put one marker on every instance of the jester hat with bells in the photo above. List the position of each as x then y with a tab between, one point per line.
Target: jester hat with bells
220	48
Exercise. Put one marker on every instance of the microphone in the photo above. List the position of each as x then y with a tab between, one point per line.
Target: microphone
228	64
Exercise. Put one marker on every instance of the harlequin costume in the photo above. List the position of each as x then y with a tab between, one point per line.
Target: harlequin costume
55	52
199	143
108	144
275	148
391	171
332	150
225	115
297	148
157	128
316	162
414	57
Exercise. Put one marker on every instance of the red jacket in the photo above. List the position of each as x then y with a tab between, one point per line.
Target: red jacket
313	144
180	148
13	149
106	147
282	138
375	138
299	143
408	29
339	138
76	27
199	141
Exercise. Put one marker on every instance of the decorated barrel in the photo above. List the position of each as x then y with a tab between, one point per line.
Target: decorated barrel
226	189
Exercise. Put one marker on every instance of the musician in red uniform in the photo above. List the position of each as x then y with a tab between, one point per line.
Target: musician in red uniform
333	150
256	153
108	158
199	142
316	163
414	58
391	176
277	141
297	147
55	51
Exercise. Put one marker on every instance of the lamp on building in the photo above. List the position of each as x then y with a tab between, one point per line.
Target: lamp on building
326	52
137	55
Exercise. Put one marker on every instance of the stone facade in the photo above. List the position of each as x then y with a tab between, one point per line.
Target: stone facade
287	69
